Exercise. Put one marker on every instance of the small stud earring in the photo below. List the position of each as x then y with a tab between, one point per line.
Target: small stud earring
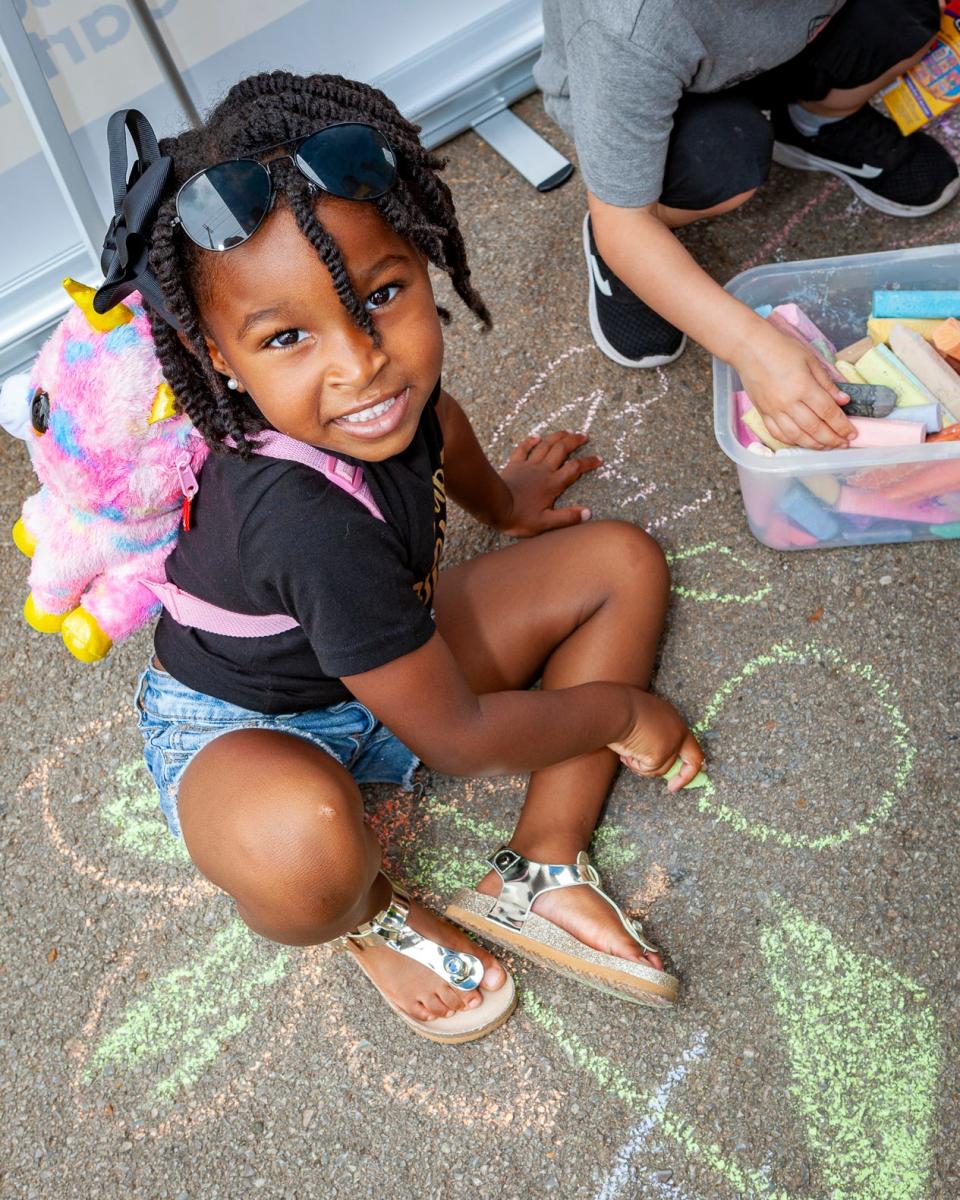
232	384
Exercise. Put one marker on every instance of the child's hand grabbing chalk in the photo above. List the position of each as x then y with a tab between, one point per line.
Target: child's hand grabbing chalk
800	404
538	471
658	740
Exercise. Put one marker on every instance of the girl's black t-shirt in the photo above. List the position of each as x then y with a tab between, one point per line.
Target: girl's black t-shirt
270	536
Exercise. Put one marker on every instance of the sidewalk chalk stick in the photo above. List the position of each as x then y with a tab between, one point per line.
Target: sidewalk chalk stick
782	534
805	510
907	303
927	414
879	327
869	400
946	531
950	434
849	371
880	366
857	501
781	323
927	482
802	323
826	488
752	419
922	359
763	310
699	780
850	354
881	431
946	338
878	534
745	435
878	479
759	449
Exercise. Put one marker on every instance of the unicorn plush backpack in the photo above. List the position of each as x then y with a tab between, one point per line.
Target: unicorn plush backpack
118	467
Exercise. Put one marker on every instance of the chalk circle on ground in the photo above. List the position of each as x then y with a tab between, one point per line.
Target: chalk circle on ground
708	595
901	744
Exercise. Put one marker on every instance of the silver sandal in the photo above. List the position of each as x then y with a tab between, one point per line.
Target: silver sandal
456	968
507	920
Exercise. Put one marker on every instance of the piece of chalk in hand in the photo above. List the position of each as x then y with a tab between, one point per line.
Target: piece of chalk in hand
699	780
869	400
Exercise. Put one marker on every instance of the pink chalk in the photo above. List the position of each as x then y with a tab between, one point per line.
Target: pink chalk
803	325
869	504
878	431
782	534
745	435
780	322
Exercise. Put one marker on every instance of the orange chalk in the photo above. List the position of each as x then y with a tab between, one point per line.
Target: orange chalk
946	338
950	434
929	483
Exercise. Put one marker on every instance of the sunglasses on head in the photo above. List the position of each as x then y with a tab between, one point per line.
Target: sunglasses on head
223	205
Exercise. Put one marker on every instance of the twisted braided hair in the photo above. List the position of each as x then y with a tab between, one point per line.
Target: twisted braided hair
265	110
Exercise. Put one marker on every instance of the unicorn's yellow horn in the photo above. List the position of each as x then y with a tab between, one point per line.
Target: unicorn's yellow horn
82	296
164	404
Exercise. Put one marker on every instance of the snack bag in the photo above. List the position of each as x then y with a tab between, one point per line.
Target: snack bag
932	86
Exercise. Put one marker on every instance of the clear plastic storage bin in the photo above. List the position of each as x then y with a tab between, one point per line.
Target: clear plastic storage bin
818	499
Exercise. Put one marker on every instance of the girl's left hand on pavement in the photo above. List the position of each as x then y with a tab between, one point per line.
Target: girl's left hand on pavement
537	472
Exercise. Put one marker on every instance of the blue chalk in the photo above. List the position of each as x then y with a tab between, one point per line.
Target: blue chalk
916	304
763	310
896	532
806	510
929	414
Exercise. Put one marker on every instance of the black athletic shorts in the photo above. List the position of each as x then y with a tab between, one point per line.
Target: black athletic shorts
721	142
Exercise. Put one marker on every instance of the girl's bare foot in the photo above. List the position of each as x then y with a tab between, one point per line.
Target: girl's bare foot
585	915
414	989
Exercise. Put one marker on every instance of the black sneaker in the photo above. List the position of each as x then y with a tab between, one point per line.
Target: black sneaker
902	176
626	329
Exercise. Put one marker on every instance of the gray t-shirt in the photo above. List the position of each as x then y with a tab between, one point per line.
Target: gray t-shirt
612	73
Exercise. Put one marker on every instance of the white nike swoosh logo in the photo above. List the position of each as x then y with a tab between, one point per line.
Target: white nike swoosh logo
598	278
864	172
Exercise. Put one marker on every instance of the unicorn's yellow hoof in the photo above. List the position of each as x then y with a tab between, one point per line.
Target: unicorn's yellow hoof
23	539
84	638
42	622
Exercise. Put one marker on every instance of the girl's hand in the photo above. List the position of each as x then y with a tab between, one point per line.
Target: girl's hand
536	473
799	402
656	739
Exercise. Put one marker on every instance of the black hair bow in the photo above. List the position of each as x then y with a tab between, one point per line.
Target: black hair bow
125	261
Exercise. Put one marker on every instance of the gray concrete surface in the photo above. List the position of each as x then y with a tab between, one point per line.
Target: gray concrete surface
150	1048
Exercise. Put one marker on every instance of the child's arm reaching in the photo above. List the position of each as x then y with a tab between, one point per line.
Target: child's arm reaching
425	700
800	404
519	500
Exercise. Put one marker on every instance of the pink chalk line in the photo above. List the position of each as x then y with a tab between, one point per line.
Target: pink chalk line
782	234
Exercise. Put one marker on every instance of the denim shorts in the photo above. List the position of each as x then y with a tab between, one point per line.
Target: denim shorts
176	722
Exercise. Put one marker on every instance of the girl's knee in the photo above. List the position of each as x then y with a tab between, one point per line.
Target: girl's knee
278	825
630	557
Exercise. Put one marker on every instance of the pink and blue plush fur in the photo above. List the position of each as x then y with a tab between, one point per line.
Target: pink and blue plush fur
109	510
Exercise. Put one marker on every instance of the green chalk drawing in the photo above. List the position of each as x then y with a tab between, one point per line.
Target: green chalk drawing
188	1014
612	1080
863	1049
135	819
610	848
690	593
899	734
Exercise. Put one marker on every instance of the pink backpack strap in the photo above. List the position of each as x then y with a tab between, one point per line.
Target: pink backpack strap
341	474
187	609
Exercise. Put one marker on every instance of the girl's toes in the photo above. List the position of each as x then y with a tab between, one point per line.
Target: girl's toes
655	961
494	976
453	999
420	1012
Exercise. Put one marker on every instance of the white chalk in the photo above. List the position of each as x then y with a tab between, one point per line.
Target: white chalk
928	366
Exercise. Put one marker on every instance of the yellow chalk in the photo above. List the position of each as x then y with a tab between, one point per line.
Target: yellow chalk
825	487
876	367
752	419
849	371
879	327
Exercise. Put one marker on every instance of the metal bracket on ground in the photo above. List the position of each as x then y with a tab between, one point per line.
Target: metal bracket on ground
525	150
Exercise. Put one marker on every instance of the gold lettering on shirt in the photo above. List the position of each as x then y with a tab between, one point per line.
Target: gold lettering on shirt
427	586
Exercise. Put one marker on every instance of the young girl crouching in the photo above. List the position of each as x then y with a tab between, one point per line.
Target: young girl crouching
316	646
